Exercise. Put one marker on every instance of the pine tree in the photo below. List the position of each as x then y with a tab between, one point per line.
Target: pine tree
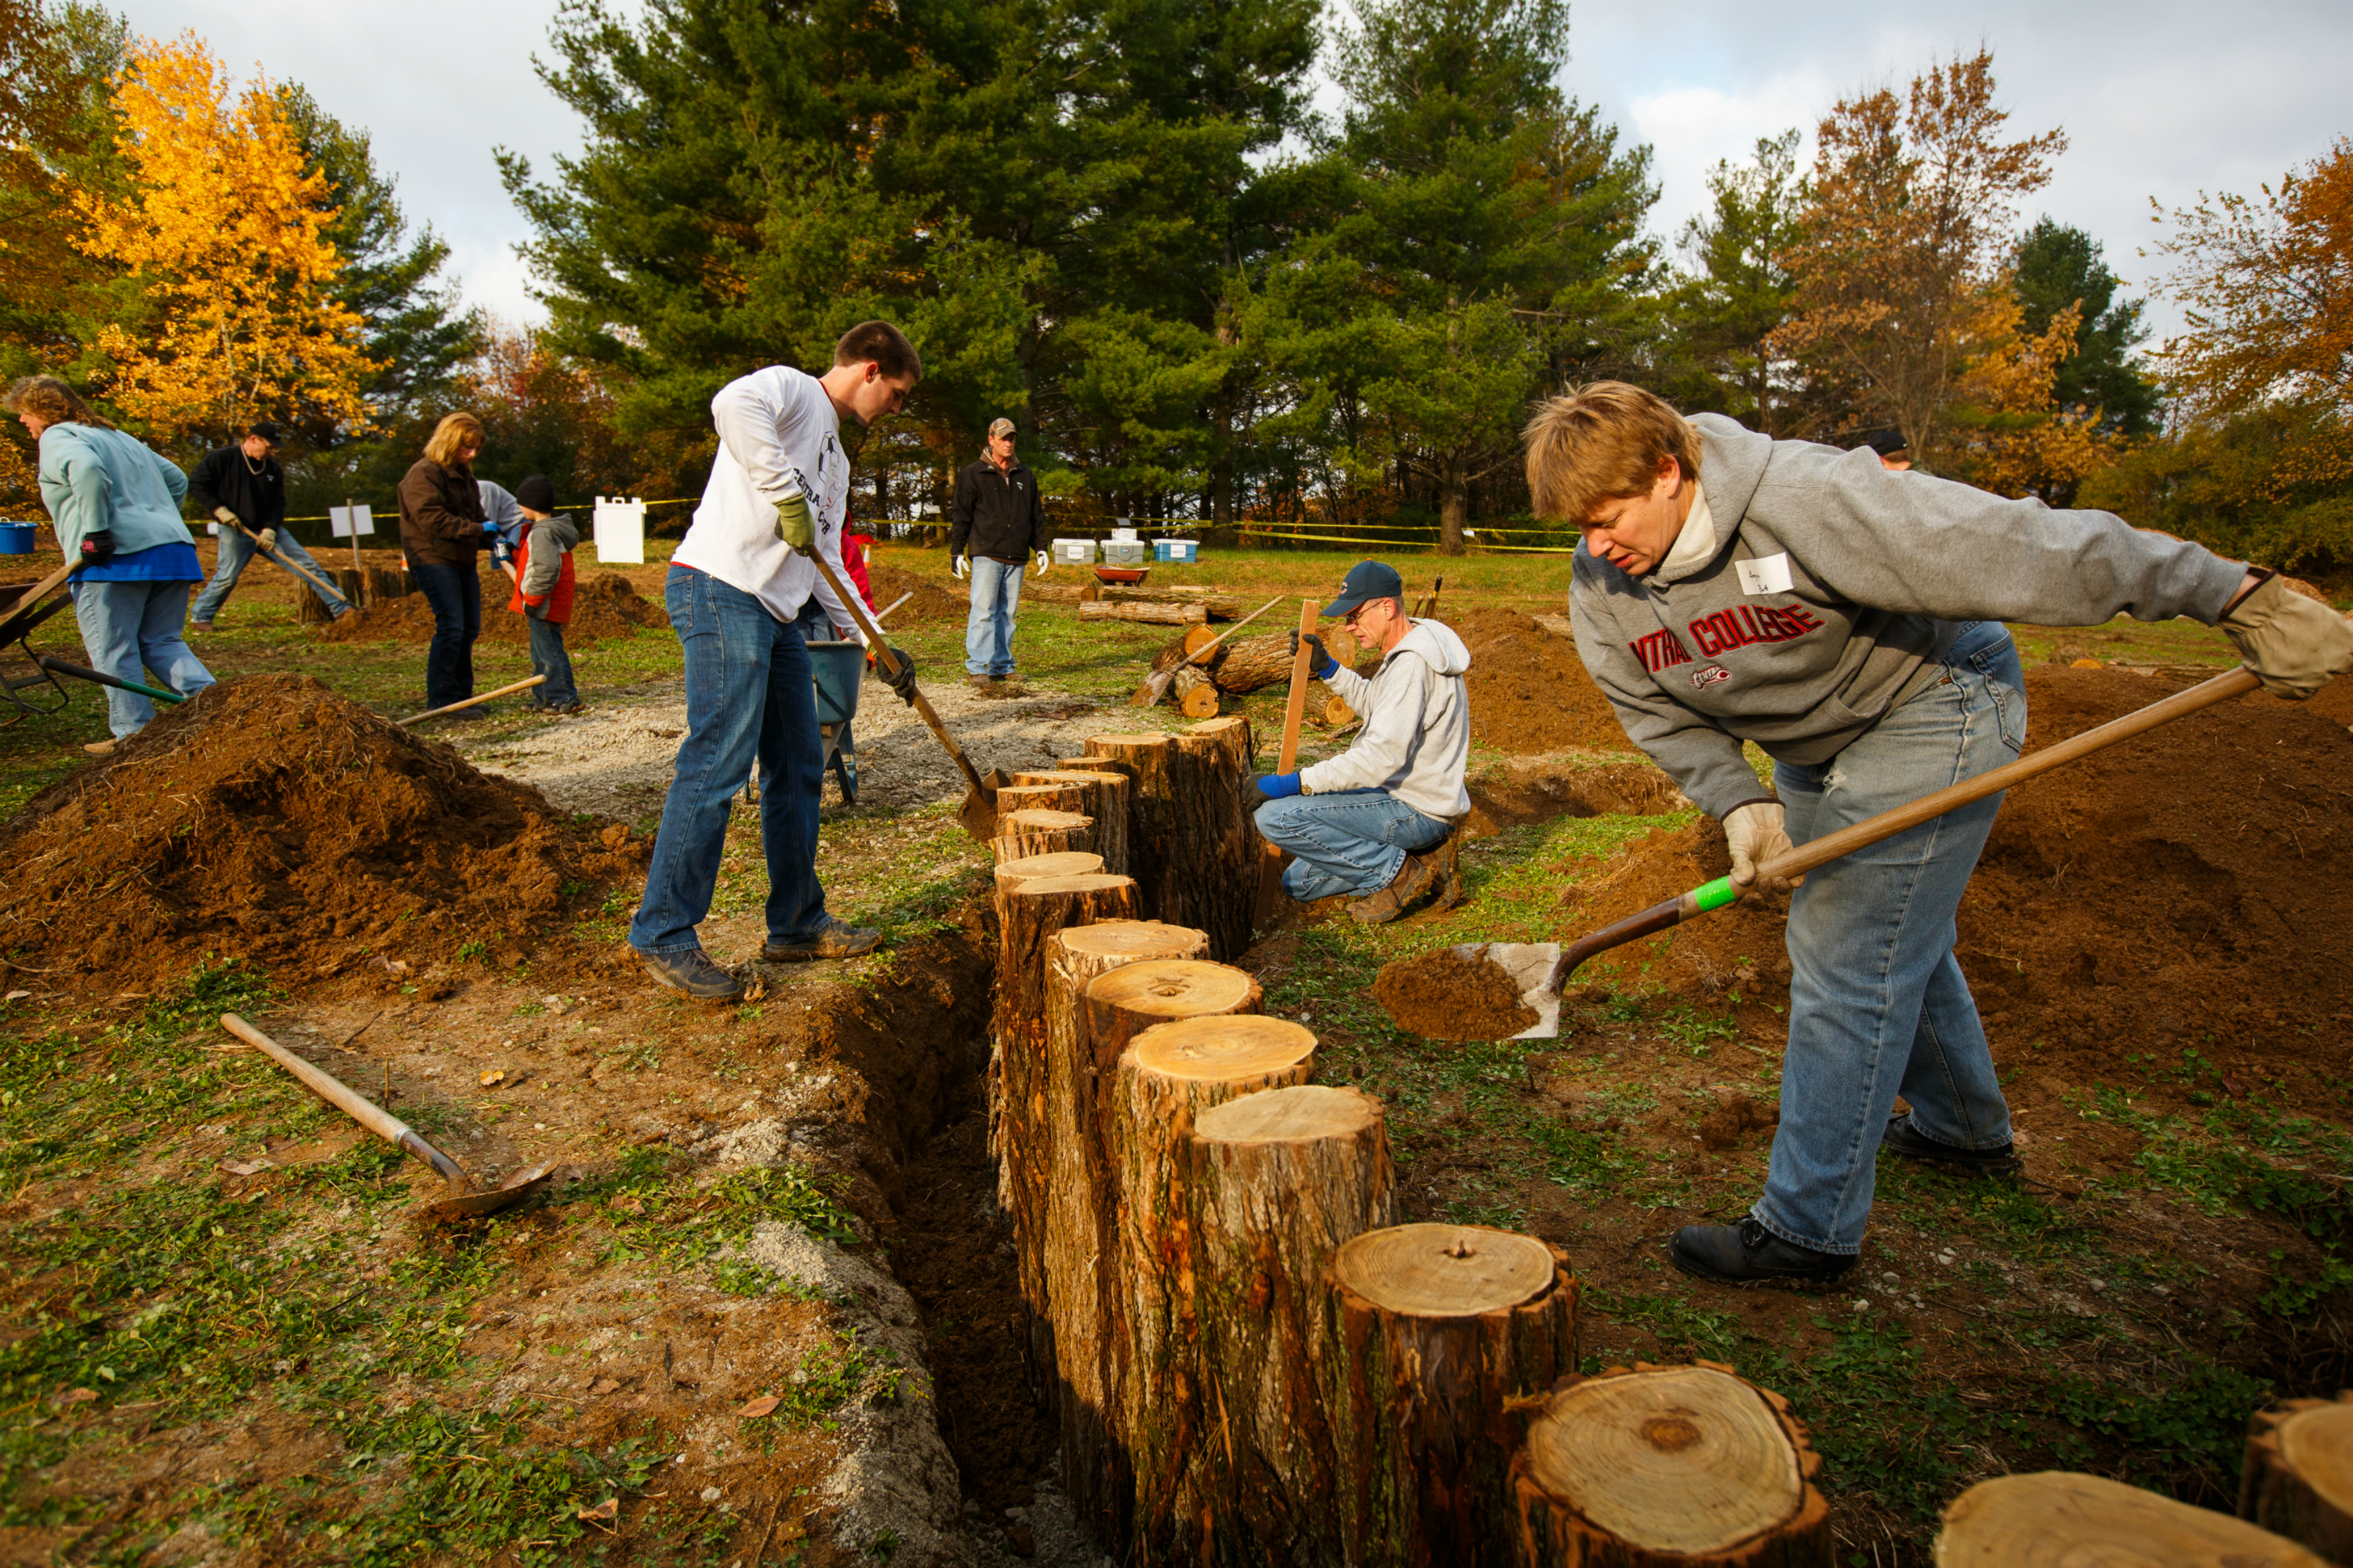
1726	313
2057	267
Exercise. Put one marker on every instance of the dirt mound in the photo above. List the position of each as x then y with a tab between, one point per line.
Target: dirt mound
604	605
1529	691
935	598
2180	889
275	820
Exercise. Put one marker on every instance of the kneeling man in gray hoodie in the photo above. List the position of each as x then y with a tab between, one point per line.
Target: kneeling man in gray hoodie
1358	823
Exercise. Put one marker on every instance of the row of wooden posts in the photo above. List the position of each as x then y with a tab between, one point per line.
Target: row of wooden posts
1251	1361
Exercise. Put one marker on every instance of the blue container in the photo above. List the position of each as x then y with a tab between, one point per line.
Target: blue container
1184	550
839	667
16	538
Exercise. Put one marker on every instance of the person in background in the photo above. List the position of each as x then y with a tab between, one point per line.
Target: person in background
1895	452
242	483
738	583
996	524
543	592
116	506
854	547
508	525
442	531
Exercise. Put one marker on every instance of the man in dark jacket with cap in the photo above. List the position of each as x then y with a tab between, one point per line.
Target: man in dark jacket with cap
243	485
995	525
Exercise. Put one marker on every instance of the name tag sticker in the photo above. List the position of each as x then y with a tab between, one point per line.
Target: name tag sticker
1766	574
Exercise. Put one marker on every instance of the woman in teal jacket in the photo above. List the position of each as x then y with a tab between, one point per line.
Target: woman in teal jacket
117	509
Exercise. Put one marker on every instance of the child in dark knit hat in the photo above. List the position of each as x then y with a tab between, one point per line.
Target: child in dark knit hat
543	592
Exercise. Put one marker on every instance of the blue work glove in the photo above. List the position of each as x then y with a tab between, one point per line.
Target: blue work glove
1324	664
1273	786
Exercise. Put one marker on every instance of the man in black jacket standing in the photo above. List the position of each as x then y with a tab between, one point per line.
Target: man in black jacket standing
995	526
242	483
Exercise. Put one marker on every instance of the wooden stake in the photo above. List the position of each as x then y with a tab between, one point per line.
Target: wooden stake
1662	1465
2054	1520
1280	1180
2298	1481
1022	834
1443	1328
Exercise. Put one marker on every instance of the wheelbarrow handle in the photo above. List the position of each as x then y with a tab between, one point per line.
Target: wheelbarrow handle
101	678
887	655
39	591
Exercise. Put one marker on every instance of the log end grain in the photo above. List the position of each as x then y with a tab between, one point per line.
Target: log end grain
1221	1048
1307	1114
1133	941
2298	1481
1174	988
1037	868
1444	1270
2052	1518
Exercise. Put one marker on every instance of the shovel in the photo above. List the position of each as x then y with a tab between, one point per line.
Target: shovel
1155	686
978	813
1539	969
465	1202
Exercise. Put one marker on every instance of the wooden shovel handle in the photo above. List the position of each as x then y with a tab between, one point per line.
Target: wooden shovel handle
887	656
525	685
284	564
1204	651
332	1090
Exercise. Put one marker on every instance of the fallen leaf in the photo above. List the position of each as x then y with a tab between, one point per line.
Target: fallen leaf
2232	1087
610	1508
496	1075
245	1167
76	1396
18	995
764	1406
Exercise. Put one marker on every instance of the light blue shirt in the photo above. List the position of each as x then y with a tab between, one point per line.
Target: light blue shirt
94	479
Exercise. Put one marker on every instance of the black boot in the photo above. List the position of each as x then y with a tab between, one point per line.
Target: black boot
1908	1141
1740	1253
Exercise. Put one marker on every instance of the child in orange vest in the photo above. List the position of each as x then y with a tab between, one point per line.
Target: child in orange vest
543	592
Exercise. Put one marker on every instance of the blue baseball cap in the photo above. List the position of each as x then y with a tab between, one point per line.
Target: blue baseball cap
1366	580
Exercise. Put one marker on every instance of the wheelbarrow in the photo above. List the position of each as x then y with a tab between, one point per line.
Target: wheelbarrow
838	669
33	688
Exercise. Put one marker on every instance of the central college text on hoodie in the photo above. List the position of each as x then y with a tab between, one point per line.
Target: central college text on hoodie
1415	742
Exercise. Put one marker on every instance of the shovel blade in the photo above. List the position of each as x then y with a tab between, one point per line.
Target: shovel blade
513	1191
1530	965
978	816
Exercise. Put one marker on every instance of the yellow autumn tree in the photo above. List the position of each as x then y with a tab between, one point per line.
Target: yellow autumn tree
2005	430
220	233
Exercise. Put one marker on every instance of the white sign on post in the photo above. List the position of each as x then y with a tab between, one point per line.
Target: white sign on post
620	532
340	518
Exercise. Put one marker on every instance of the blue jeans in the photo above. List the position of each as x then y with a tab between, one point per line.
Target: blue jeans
989	630
748	694
1877	1004
236	551
1351	843
126	626
548	659
455	593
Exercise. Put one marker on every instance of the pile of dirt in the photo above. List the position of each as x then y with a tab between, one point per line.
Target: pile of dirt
2180	889
604	605
1444	996
937	597
274	820
1529	691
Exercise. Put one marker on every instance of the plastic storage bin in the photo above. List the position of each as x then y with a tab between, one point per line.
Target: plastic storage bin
1125	552
1179	550
16	538
1074	552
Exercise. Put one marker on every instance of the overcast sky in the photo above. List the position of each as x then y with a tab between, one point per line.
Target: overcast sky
2158	99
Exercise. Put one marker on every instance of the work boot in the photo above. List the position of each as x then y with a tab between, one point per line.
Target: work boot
692	972
1908	1141
838	939
980	683
101	748
200	625
1413	879
1746	1252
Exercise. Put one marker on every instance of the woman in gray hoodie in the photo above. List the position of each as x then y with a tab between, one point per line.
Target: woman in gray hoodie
1848	620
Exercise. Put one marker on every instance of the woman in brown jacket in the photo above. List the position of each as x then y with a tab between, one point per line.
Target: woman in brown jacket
441	530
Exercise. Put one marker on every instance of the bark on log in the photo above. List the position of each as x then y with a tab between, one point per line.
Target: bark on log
2055	1519
1251	663
1030	914
1280	1180
1441	1327
1211	836
1028	831
1071	1130
1195	695
1191	615
1146	760
1221	607
2298	1481
1102	795
1168	1076
1668	1467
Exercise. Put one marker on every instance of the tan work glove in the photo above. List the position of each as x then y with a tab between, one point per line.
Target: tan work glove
2294	645
1756	834
225	517
266	539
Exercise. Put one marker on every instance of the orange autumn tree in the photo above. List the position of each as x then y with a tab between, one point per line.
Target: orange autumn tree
2004	428
220	233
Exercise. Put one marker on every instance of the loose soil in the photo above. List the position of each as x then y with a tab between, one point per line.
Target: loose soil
604	605
275	819
937	598
1442	996
1529	691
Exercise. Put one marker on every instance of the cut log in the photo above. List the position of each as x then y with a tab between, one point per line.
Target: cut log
1658	1466
1168	1076
1102	795
1192	614
2055	1519
1145	760
1278	1181
385	582
1025	832
1197	696
2298	1481
1251	663
1211	836
1011	874
1069	1131
1054	796
1443	1328
1195	640
1336	712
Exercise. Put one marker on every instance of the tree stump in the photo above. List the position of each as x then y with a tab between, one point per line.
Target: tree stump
1102	795
1011	874
1666	1465
1147	611
1195	695
1441	1329
1050	796
383	583
1251	663
1021	835
2055	1519
1212	836
1280	1180
1071	1130
2298	1481
1145	760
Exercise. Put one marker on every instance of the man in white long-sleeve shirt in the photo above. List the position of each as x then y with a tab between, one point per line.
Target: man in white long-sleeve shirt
777	494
